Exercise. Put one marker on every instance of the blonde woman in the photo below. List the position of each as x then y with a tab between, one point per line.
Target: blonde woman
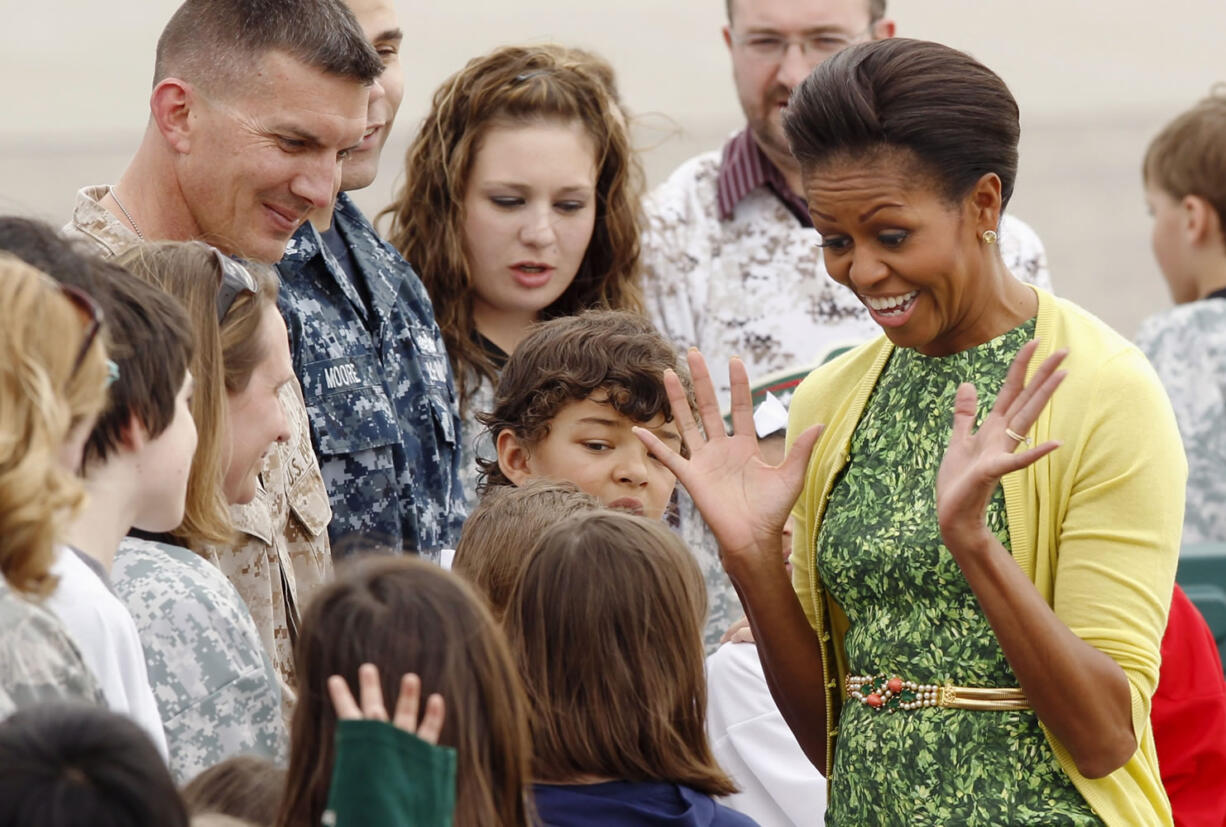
53	374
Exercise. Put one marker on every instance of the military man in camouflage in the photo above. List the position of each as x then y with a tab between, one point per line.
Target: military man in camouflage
254	106
370	356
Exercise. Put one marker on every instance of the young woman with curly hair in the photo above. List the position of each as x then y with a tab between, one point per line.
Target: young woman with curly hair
520	204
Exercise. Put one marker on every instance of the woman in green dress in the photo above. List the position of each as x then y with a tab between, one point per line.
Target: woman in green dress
982	563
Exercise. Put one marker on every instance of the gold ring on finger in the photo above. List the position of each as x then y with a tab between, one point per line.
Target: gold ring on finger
1015	435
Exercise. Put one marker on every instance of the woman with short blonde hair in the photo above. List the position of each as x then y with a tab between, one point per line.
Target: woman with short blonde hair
53	375
53	378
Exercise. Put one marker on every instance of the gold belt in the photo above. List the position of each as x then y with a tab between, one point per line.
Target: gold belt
892	693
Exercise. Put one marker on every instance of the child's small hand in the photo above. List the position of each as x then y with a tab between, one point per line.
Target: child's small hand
739	632
744	500
373	708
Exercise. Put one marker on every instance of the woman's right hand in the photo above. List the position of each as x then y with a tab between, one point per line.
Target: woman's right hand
373	708
744	500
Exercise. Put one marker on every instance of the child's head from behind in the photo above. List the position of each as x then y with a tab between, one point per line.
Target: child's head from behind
504	527
567	402
614	670
405	615
245	787
71	765
1185	186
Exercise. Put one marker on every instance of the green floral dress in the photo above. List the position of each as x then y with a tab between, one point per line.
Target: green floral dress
913	614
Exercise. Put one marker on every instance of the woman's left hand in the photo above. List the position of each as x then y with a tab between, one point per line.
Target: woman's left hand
373	708
976	460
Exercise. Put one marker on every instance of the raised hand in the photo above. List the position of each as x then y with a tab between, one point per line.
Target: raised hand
373	708
975	461
744	500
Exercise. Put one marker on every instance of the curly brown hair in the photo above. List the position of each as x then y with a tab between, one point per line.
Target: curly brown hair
516	85
612	352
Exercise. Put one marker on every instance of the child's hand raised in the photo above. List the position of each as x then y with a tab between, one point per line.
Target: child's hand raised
373	708
744	500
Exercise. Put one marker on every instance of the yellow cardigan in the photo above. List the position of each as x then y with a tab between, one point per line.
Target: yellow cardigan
1095	524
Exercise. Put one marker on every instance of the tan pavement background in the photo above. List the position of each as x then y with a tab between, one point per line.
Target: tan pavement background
1095	80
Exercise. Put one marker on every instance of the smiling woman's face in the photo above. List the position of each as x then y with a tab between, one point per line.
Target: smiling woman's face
914	258
257	416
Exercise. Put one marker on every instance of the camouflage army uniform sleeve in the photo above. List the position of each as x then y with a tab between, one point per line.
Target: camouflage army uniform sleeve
215	686
38	661
723	603
1187	347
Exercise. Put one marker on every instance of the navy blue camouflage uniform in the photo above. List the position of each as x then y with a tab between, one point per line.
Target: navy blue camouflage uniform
378	387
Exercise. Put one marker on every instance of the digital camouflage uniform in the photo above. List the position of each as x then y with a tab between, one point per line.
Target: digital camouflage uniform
215	686
1187	347
754	285
378	390
39	663
283	556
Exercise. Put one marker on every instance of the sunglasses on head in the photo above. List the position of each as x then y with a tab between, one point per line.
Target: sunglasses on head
235	280
91	319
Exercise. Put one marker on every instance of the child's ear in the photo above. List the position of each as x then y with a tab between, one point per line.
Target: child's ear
1200	220
513	458
134	435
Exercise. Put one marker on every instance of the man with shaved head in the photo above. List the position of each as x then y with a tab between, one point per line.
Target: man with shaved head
255	105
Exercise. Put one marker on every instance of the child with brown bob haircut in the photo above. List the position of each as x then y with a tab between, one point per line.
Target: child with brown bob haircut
567	403
614	676
504	527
